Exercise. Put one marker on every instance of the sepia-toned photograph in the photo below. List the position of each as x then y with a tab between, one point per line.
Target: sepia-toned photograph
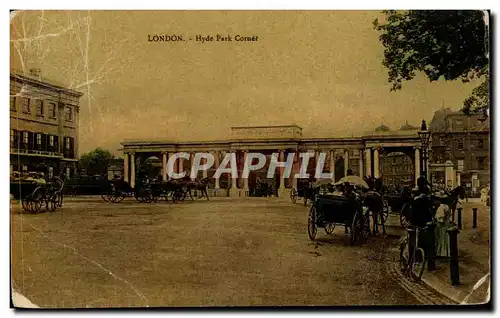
249	158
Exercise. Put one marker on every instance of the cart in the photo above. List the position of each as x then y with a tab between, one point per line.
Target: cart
328	211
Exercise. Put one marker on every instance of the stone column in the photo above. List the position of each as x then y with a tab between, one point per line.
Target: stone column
346	161
459	182
132	169
360	163
216	155
376	168
191	161
331	158
245	180
234	179
180	165
417	164
368	159
205	172
164	166
296	168
125	168
282	170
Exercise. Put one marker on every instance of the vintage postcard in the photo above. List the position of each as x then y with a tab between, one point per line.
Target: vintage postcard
249	158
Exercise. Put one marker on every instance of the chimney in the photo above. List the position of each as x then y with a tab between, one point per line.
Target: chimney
35	72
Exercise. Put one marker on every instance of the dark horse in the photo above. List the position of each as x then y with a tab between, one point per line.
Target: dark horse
374	202
200	185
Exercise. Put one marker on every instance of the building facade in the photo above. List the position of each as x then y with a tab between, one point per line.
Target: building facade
360	154
461	142
43	124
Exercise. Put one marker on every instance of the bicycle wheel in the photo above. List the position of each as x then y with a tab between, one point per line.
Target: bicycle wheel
402	216
418	264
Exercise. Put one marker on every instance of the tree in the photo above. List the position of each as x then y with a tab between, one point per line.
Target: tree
96	161
449	44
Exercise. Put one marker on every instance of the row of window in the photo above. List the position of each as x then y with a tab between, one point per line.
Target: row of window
25	169
26	105
39	139
478	143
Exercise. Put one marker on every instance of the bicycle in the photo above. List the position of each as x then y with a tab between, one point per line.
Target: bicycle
412	266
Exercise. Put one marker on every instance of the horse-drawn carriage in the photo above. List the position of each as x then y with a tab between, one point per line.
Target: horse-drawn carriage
152	191
328	211
355	208
34	194
116	191
306	190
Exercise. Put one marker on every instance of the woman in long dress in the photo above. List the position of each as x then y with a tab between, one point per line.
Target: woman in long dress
443	217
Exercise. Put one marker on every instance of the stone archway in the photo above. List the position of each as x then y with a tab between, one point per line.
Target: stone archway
148	164
396	167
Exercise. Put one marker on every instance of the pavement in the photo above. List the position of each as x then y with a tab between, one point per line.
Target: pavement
474	261
222	252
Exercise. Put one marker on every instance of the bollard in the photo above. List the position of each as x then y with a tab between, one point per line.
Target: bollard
474	218
454	268
459	217
431	246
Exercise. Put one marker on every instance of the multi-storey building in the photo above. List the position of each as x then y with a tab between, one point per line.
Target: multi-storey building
43	124
463	141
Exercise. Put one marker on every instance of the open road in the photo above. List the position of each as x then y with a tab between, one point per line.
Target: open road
225	252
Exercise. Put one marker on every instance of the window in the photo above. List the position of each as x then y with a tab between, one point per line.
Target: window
51	172
39	107
25	168
51	140
68	113
460	165
13	103
25	137
481	163
66	143
460	145
38	139
52	110
12	133
26	105
480	143
68	171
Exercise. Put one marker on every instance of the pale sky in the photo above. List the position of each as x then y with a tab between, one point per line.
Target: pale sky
321	70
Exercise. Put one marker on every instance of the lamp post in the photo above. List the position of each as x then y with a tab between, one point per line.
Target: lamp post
425	137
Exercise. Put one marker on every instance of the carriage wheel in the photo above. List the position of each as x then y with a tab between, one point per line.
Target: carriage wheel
117	197
25	204
312	229
329	227
385	213
357	228
35	206
293	195
52	204
105	197
402	217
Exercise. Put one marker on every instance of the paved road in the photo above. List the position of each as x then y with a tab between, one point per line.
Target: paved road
226	252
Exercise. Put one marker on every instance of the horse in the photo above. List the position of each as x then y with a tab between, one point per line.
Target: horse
174	186
201	185
374	202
